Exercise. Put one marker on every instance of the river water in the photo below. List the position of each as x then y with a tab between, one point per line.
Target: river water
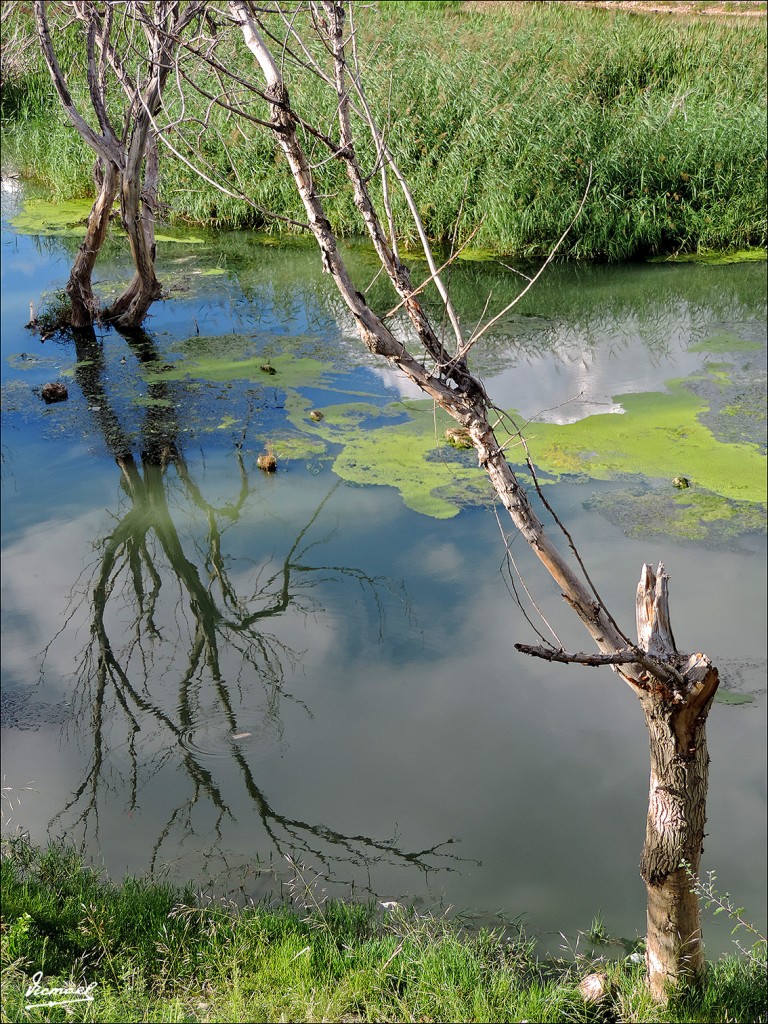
208	670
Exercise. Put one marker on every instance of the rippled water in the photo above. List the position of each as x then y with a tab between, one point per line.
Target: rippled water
207	669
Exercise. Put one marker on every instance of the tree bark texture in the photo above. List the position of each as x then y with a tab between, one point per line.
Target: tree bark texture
128	311
79	287
677	799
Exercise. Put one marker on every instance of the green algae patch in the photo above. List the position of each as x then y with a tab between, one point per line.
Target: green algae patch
283	240
658	436
174	235
38	217
397	456
735	396
28	361
233	357
643	512
151	403
725	342
297	448
396	445
731	697
339	423
740	410
716	259
478	255
227	422
720	374
69	219
402	445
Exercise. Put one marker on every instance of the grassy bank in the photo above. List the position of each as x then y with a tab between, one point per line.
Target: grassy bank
495	125
156	953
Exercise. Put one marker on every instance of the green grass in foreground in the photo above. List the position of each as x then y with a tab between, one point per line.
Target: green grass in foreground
495	124
157	953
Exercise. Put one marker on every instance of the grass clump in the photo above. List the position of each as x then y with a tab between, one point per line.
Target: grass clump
158	953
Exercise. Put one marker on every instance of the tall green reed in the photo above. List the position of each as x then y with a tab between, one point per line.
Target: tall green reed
495	125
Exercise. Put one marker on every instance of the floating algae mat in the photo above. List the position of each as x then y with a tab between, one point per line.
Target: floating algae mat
404	451
715	259
645	511
233	357
69	219
725	342
660	436
38	217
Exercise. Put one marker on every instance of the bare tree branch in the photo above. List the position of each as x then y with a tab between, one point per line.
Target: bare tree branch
548	654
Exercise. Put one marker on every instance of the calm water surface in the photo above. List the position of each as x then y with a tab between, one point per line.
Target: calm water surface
207	670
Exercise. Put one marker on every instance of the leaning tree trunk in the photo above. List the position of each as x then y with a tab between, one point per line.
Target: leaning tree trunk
79	287
677	801
675	691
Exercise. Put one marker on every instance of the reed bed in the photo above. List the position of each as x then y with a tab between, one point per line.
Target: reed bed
496	124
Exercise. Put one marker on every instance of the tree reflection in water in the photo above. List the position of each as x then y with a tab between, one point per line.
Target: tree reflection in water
168	621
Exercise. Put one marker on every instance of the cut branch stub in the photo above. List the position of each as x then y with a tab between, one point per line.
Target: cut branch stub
654	631
676	724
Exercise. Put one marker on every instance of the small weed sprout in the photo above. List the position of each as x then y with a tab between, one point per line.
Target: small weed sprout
723	904
597	933
307	892
54	315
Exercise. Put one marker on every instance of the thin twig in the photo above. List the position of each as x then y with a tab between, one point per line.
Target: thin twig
532	281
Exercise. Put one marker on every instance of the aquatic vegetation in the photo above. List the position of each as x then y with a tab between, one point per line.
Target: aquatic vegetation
149	401
391	445
38	217
644	511
68	219
725	342
730	697
715	259
660	436
297	447
418	450
233	357
705	428
670	113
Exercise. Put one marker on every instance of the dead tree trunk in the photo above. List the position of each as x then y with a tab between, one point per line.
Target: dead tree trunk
137	201
79	287
130	155
677	799
104	144
675	691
